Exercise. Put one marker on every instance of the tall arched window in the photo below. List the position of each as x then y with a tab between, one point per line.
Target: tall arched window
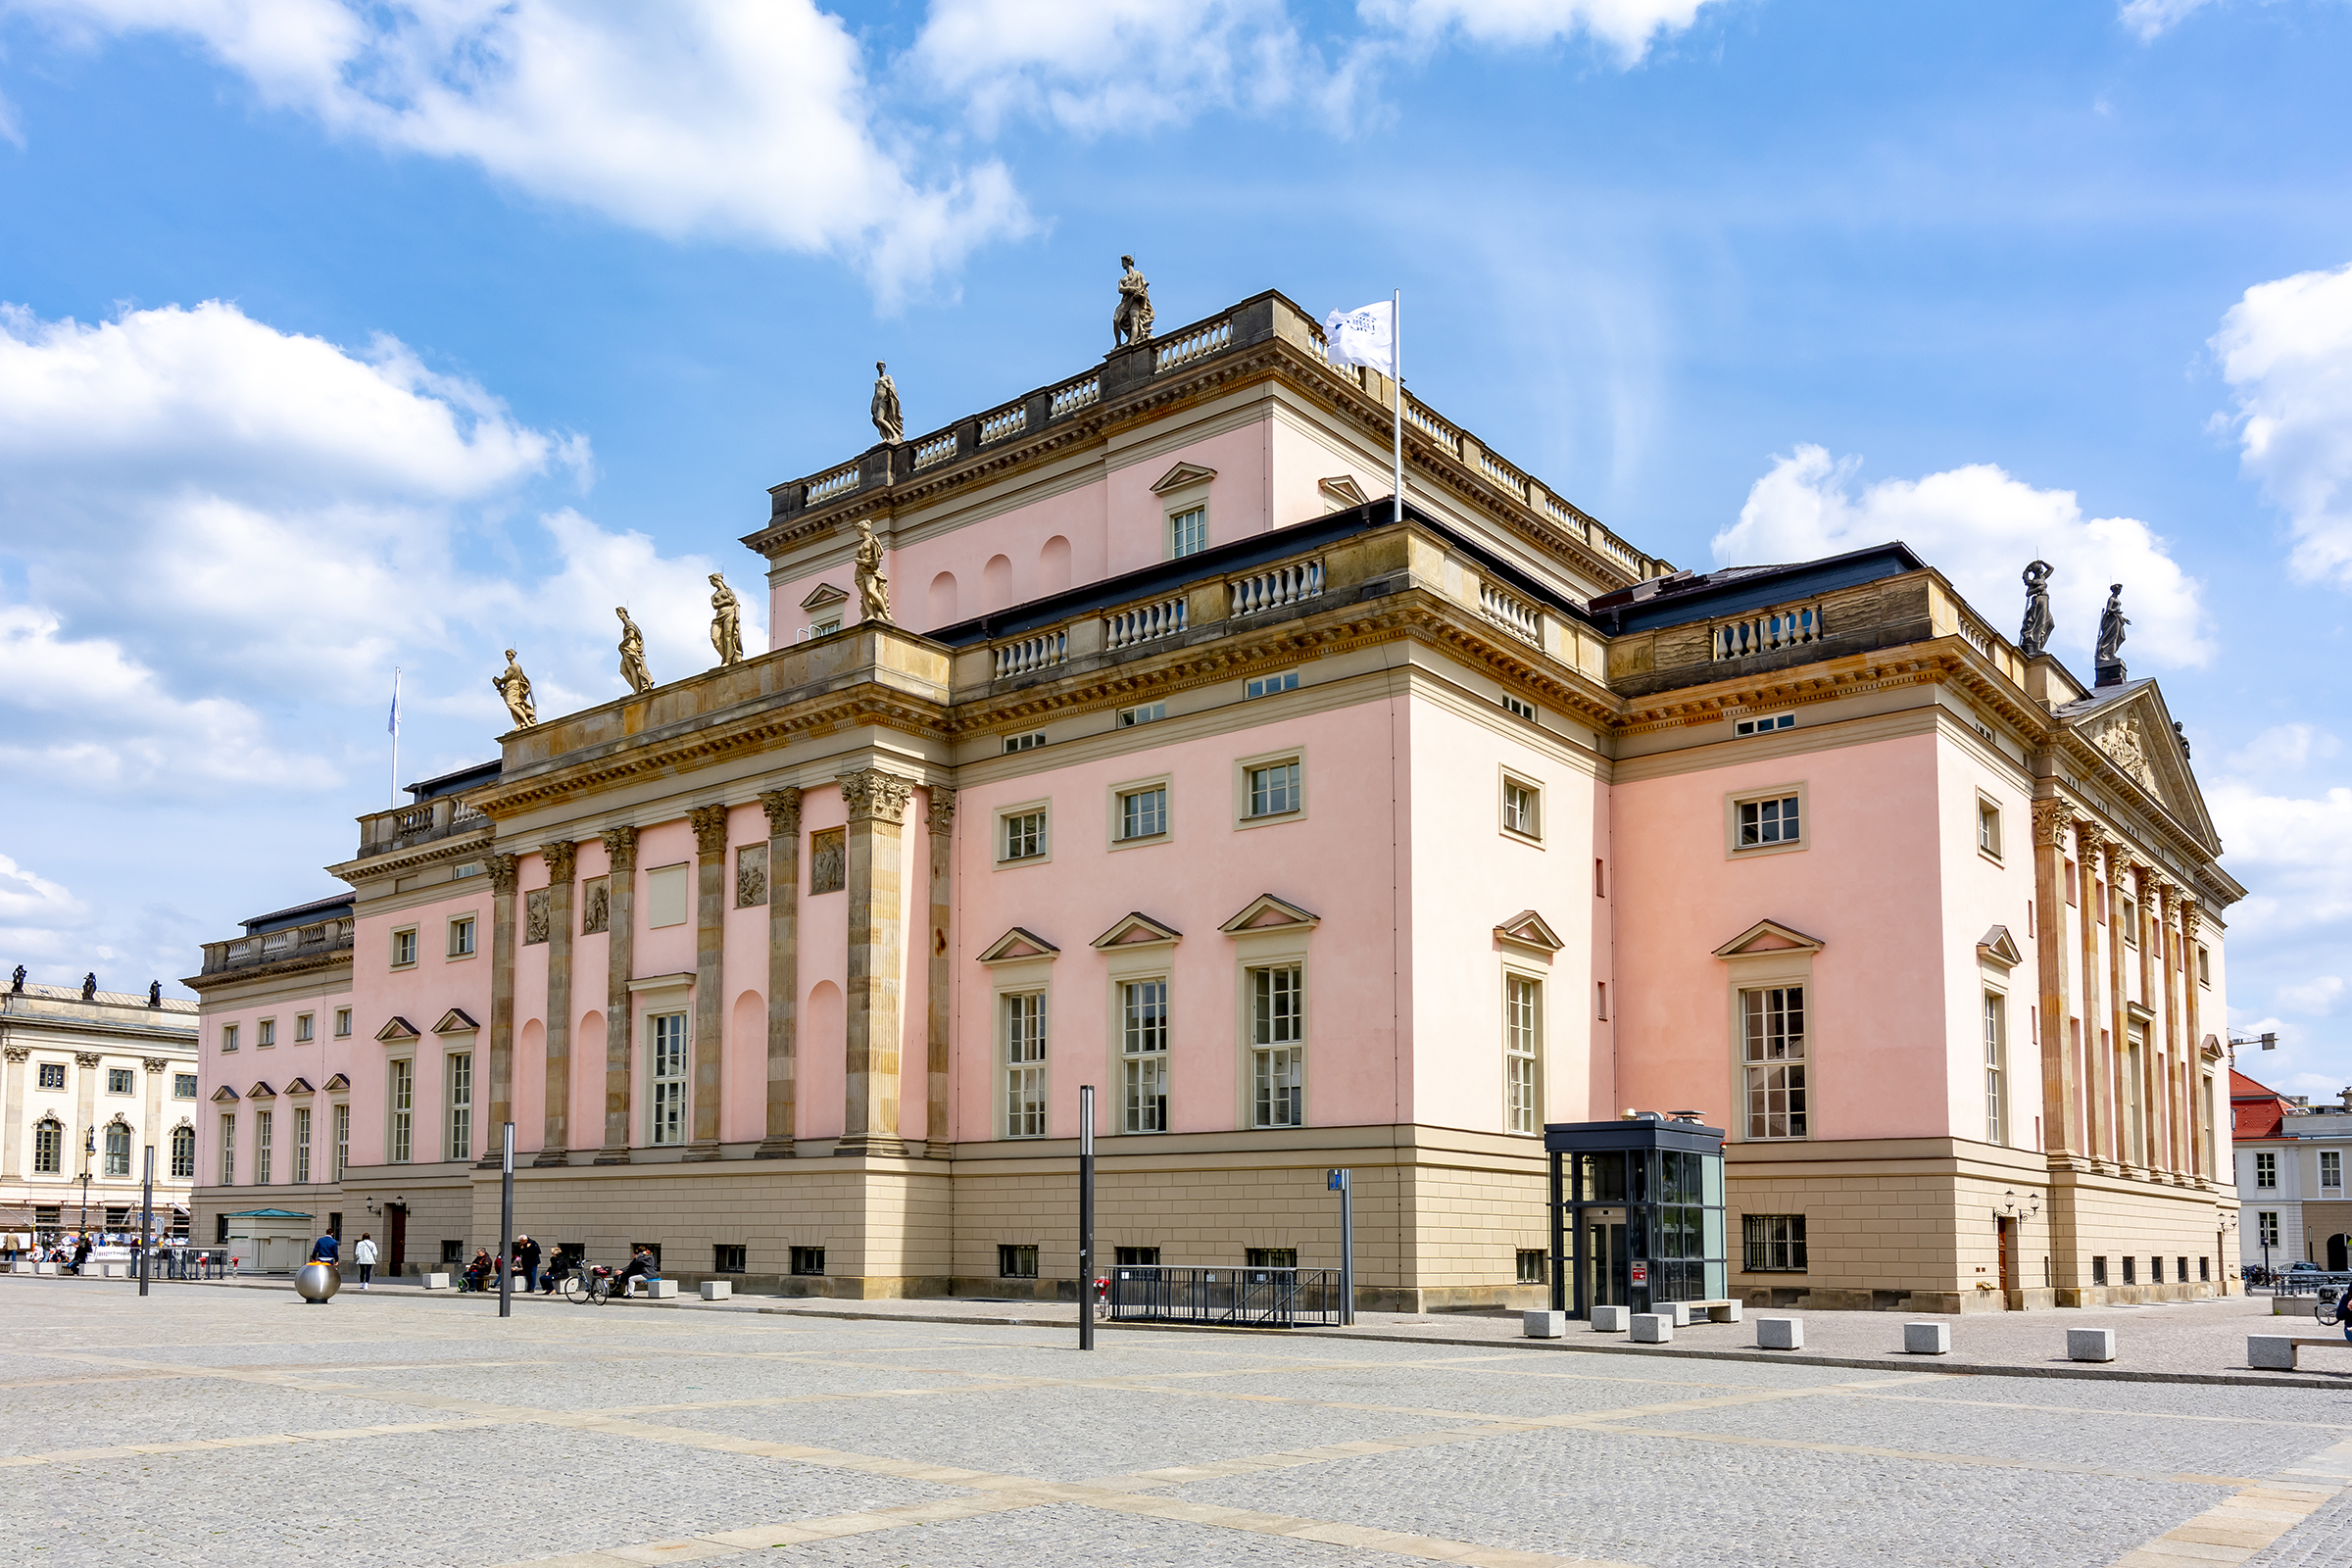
183	1154
118	1150
48	1146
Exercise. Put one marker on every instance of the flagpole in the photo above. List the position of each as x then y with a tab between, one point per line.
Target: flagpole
1397	412
392	788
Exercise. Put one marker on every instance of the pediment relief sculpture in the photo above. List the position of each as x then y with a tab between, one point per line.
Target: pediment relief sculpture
2120	740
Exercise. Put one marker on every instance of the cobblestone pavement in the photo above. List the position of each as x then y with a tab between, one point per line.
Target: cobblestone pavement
205	1426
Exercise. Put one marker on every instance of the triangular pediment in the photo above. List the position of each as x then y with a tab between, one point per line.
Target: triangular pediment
299	1085
1180	475
396	1028
2213	1048
455	1022
1996	947
2131	733
224	1096
1528	930
261	1091
1266	912
1017	944
824	596
1341	492
1137	930
1769	936
337	1084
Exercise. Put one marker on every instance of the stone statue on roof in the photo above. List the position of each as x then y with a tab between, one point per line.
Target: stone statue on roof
2035	636
16	984
515	687
726	621
2112	621
155	992
890	420
873	588
89	986
1130	321
632	654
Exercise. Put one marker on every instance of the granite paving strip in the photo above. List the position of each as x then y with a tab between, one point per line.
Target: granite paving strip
2251	1519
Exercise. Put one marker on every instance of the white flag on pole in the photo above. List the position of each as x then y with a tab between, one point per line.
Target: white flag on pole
1366	337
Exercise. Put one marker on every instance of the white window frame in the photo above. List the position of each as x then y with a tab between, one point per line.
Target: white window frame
1988	829
1187	529
302	1146
399	1110
1524	709
2331	1164
1141	1042
1120	794
183	1169
404	940
1024	1060
265	1034
457	1104
228	1038
305	1028
1141	713
229	1149
668	1042
1523	1031
1768	1065
1995	1023
342	1023
342	1137
2135	1095
2266	1227
1244	767
1522	831
1733	802
2266	1170
265	1138
1000	831
1275	1055
464	933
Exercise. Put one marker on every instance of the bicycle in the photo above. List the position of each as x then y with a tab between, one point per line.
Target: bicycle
588	1284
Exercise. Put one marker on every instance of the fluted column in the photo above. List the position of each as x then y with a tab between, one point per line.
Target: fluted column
877	808
709	976
554	1142
2099	1105
12	1105
502	998
2059	1090
2191	1027
620	947
783	808
941	818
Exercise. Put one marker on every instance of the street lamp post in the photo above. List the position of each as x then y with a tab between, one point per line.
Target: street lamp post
89	1151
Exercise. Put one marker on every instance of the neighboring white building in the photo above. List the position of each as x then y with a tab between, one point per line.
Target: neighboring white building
2291	1158
88	1081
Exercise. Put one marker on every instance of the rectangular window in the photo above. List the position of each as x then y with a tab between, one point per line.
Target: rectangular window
1526	711
1136	1256
1278	1046
808	1260
2266	1227
1188	532
264	1033
49	1148
342	1023
404	1109
1988	829
1773	1050
727	1258
1775	1243
53	1073
2204	1270
1025	1065
2127	917
2266	1169
2204	964
1600	879
117	1080
303	1034
1767	822
1144	812
403	947
1016	1262
1522	807
2331	1170
228	1151
1766	725
1600	1001
183	1154
1274	789
2130	1271
2155	1271
302	1146
1269	1257
117	1152
1023	836
1144	1053
2098	1271
1531	1263
461	1105
665	897
2070	884
1025	743
824	628
264	1127
1141	713
2205	1127
183	1086
665	1076
1522	1040
1996	1048
342	1141
2135	1116
1269	685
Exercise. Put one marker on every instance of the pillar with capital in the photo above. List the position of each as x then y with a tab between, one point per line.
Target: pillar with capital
2061	1090
562	861
620	947
783	808
709	953
878	809
940	816
503	872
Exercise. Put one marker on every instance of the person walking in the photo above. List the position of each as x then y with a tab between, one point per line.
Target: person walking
526	1258
364	1255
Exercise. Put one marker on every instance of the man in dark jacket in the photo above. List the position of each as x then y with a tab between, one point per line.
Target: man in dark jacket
526	1258
82	1252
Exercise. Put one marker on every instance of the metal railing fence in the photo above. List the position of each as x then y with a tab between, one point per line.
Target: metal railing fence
1240	1297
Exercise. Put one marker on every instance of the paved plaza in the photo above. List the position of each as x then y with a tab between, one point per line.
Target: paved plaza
207	1425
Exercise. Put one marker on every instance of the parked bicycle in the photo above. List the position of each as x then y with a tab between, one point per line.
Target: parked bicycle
588	1282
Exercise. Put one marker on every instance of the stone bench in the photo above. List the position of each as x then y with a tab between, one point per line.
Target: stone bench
2277	1352
654	1289
1688	1313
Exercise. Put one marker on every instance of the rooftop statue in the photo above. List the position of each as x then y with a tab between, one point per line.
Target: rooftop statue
515	687
873	588
2112	622
890	421
726	621
89	986
155	992
2035	636
16	985
1130	321
632	653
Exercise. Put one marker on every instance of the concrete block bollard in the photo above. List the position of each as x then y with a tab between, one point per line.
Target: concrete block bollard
722	1289
662	1290
1676	1313
1780	1333
1653	1328
2273	1352
1737	1312
2090	1345
1543	1325
1928	1339
434	1282
1610	1319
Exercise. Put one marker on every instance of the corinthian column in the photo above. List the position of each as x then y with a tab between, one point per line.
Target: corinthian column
2060	1090
783	808
620	947
709	954
554	1142
942	821
502	997
877	805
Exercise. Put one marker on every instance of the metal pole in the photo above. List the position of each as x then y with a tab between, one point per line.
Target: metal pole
505	1223
1559	1216
1086	1216
147	1223
1397	413
1344	1180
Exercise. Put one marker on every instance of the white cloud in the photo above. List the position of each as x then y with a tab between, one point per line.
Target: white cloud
2287	351
2319	995
2294	852
2282	748
2152	18
1980	527
1625	27
31	905
747	119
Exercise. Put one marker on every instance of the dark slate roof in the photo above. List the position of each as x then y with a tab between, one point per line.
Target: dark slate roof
1701	596
327	908
465	778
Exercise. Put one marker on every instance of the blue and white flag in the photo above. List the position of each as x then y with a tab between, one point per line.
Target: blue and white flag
1366	337
392	724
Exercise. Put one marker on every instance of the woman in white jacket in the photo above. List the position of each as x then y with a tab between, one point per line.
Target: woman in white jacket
363	1255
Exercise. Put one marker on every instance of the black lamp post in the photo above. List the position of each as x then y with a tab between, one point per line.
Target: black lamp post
89	1151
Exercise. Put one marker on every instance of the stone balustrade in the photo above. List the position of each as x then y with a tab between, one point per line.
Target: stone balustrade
1511	613
1025	654
272	947
1142	624
407	826
1766	633
1275	587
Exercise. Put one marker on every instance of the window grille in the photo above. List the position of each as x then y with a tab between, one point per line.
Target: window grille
1016	1262
1136	1256
2332	1169
1144	813
1188	532
1278	1045
228	1150
1532	1265
1024	836
1025	1065
48	1147
1773	1030
404	1108
2266	1225
183	1154
1143	1048
302	1146
117	1081
53	1073
461	1105
1996	1109
669	1077
117	1151
808	1260
1521	1024
1775	1243
183	1086
2265	1168
727	1258
264	1127
1274	789
1768	821
1269	1257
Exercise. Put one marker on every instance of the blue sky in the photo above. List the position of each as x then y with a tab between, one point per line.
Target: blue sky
345	337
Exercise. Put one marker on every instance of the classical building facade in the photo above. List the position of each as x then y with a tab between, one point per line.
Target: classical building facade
1162	755
2290	1168
90	1080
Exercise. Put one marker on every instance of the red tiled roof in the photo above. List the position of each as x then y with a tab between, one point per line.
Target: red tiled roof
2256	1110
